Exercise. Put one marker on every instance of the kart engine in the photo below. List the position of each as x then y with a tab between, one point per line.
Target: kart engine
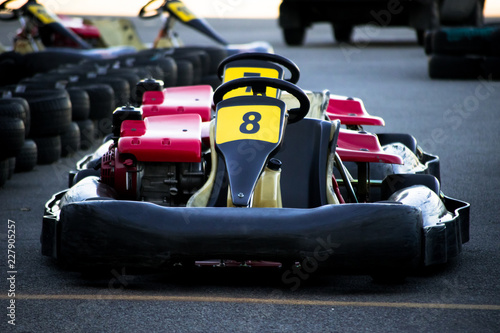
161	182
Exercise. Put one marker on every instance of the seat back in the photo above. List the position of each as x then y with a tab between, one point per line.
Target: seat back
305	154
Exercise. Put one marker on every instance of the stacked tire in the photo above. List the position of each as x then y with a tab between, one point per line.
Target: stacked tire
464	53
52	111
14	124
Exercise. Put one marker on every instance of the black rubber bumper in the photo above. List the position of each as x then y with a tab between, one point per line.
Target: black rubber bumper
140	235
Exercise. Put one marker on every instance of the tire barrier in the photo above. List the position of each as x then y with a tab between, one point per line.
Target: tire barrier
54	104
465	53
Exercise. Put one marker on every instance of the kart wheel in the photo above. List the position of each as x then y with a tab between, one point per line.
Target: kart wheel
476	17
27	157
49	149
294	36
406	139
420	36
454	67
396	182
12	134
342	32
70	140
84	174
428	38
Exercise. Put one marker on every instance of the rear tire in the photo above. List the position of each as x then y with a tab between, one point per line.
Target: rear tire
294	36
343	32
420	37
476	17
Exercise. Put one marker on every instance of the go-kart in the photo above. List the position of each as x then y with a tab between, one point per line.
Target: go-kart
177	11
41	28
47	41
255	172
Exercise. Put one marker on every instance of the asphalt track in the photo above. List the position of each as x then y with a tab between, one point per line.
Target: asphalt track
457	120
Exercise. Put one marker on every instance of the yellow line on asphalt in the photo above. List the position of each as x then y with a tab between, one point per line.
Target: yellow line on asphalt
153	298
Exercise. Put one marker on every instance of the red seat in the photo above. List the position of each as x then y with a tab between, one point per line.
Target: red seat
351	112
363	147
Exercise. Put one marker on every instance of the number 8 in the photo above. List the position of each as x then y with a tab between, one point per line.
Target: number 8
254	122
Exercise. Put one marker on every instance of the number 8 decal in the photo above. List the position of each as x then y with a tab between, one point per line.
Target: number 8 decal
250	118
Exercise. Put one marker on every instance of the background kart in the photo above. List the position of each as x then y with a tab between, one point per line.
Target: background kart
175	187
40	28
46	42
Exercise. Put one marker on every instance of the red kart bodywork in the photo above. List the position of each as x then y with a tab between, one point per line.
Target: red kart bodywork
146	139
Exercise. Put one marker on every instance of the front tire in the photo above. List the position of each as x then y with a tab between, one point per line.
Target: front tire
343	33
294	36
420	36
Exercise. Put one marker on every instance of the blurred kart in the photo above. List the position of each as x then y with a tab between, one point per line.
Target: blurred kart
297	15
253	174
49	41
42	28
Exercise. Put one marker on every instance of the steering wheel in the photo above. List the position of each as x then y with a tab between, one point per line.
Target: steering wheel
11	14
288	64
152	9
259	85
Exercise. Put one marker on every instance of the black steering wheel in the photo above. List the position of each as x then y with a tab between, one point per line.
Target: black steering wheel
11	14
259	86
152	9
288	64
